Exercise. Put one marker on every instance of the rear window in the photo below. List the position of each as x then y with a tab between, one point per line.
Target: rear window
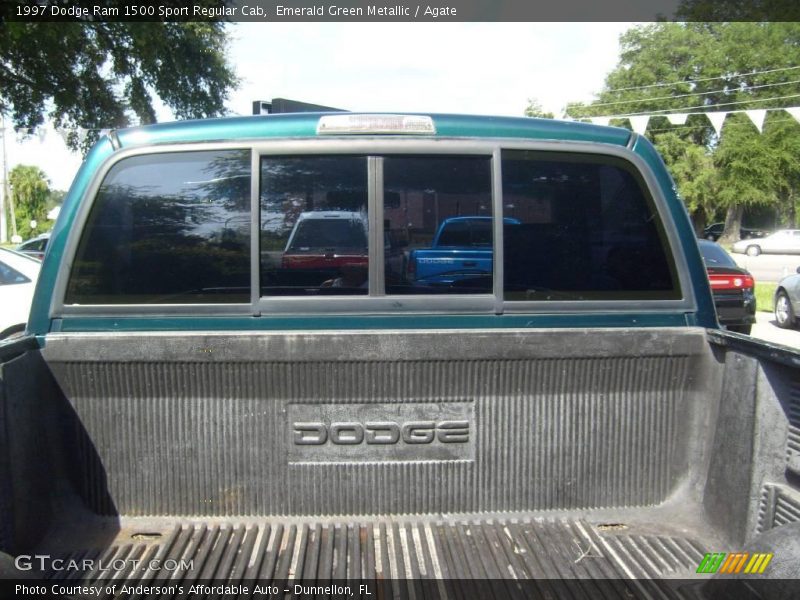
314	226
169	228
583	228
176	228
715	256
9	276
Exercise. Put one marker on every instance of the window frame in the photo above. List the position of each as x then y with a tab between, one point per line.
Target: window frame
375	148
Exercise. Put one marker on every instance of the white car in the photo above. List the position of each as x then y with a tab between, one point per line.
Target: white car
18	274
783	241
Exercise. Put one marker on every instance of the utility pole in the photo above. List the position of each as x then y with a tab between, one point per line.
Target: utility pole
4	187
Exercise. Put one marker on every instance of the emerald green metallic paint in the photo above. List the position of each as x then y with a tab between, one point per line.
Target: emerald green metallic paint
299	126
317	322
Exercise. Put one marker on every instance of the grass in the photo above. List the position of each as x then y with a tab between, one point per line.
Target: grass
764	294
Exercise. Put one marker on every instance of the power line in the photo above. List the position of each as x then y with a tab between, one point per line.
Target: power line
668	111
752	87
654	85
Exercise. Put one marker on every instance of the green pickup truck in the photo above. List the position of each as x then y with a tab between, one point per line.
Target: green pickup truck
191	415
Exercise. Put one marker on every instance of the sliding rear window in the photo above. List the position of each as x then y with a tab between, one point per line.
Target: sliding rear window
581	227
171	228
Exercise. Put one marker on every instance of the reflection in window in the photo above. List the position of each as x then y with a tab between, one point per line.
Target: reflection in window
580	227
314	226
168	228
438	225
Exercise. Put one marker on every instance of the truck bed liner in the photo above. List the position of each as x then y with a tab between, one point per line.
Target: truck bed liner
515	555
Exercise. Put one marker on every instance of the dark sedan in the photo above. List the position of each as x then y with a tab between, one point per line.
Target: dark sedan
714	231
733	288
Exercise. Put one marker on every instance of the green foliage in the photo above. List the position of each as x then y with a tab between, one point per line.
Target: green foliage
698	67
534	109
106	75
765	296
29	191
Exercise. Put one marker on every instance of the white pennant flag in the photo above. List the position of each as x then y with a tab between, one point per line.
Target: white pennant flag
717	119
794	111
757	117
677	118
63	133
639	123
601	120
104	132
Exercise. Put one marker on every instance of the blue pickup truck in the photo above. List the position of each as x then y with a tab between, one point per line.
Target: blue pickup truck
191	415
461	250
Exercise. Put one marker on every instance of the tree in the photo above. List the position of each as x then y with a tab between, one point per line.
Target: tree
106	75
534	109
692	168
29	190
698	67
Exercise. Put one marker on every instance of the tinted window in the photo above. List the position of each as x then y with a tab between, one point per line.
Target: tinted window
438	218
9	276
35	245
168	228
314	226
582	227
715	256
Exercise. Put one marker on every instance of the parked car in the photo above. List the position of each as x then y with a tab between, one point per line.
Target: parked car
783	241
787	300
714	231
18	274
35	247
733	288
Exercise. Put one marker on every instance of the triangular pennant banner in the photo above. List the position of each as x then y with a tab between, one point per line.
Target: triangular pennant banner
639	123
717	119
601	120
757	117
63	133
677	118
104	132
794	111
80	132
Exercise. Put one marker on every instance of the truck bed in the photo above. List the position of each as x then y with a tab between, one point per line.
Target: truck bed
608	461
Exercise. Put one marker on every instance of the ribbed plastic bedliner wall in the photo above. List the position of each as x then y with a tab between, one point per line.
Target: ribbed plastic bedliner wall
211	438
780	505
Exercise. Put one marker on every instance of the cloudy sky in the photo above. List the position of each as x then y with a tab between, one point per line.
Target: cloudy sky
472	68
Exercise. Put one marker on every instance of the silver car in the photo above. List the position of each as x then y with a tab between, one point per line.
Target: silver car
787	300
783	241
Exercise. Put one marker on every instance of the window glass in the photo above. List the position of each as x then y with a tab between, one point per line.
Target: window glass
437	213
314	226
715	256
169	228
580	227
9	276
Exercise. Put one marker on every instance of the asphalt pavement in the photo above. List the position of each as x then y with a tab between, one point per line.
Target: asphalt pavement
766	329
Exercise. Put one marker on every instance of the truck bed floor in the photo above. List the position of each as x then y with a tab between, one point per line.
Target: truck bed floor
412	557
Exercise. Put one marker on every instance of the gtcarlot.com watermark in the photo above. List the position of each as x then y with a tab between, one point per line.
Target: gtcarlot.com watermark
46	563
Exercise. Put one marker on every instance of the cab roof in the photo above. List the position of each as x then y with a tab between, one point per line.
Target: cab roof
304	125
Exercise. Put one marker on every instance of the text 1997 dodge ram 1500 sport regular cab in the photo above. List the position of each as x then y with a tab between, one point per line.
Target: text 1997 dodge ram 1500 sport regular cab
190	417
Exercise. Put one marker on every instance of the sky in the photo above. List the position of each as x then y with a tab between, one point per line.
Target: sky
468	68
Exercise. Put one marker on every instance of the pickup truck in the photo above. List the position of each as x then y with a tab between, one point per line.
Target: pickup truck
173	426
461	249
